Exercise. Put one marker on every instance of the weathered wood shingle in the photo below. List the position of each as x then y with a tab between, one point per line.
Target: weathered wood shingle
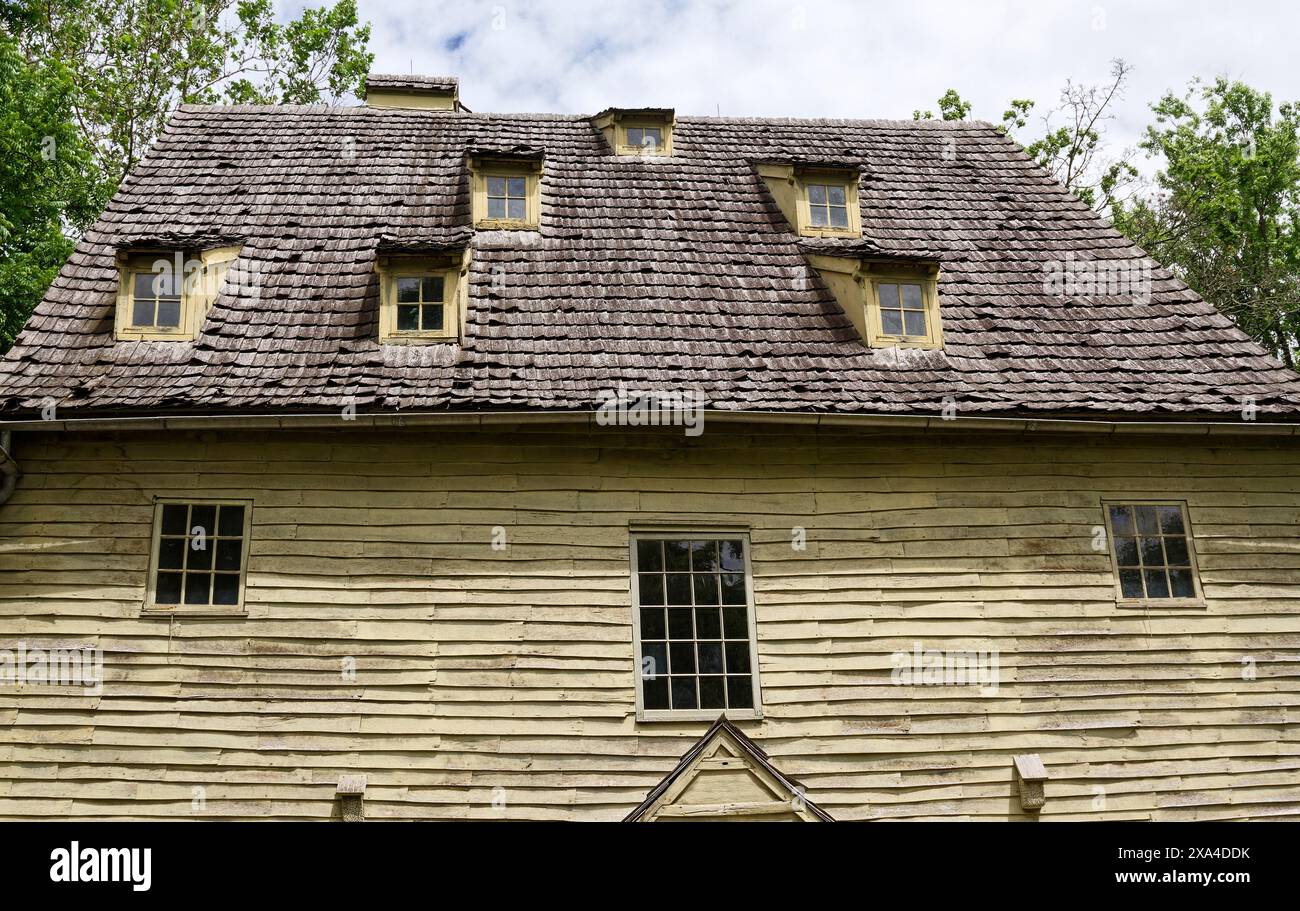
674	272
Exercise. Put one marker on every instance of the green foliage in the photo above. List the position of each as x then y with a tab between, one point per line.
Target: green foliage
134	62
102	77
1227	217
47	182
951	107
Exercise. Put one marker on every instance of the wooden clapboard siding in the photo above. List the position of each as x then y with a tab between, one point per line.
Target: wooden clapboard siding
496	684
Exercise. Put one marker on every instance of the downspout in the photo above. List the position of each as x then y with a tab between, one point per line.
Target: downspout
8	467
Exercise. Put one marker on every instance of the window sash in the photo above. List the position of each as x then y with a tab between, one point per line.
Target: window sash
699	624
199	555
1153	553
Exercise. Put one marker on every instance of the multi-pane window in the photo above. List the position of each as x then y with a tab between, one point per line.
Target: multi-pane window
1153	552
902	309
200	554
155	300
648	138
694	623
828	205
421	303
507	198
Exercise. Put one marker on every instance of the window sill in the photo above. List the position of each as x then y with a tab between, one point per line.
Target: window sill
209	613
490	224
1163	604
902	341
660	715
831	232
418	339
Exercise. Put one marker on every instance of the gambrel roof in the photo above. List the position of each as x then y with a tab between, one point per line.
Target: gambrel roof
660	272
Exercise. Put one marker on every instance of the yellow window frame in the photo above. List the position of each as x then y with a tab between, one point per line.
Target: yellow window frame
877	337
202	277
529	171
392	268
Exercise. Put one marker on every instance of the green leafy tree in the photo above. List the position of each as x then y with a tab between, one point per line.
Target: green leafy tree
1226	216
134	61
48	182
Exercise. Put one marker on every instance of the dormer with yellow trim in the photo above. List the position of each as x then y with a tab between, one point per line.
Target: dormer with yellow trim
818	200
164	294
893	304
637	131
505	189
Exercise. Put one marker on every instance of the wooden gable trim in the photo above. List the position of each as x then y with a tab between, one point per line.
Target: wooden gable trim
725	746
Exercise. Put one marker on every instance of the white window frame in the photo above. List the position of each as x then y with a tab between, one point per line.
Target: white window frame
221	610
694	534
1197	602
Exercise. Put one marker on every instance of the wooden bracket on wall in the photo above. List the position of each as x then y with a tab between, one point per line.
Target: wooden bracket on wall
1031	775
351	793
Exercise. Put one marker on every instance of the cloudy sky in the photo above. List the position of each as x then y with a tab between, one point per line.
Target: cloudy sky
832	58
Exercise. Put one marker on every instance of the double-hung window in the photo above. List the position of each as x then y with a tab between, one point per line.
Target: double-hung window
693	619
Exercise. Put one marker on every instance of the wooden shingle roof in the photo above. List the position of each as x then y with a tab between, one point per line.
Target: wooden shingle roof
658	272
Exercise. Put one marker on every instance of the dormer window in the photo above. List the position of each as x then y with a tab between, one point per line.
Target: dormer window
419	299
828	204
506	193
638	131
903	310
164	295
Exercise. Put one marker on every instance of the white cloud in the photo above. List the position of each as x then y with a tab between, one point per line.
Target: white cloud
832	58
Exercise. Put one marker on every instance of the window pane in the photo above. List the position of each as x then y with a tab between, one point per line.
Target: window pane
679	588
1121	520
708	623
1181	583
680	625
733	556
839	217
408	317
1176	552
713	693
496	207
1171	520
704	556
653	138
734	623
168	589
733	588
652	588
1126	551
888	293
914	322
142	312
1130	583
196	588
635	136
653	624
408	290
817	194
710	657
819	217
684	693
169	313
836	195
516	210
144	287
1148	520
203	518
518	187
1152	553
740	692
912	297
229	553
431	289
655	693
225	589
171	553
431	317
1157	583
891	322
649	556
682	658
496	186
174	520
677	556
230	521
654	660
706	588
738	657
199	554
